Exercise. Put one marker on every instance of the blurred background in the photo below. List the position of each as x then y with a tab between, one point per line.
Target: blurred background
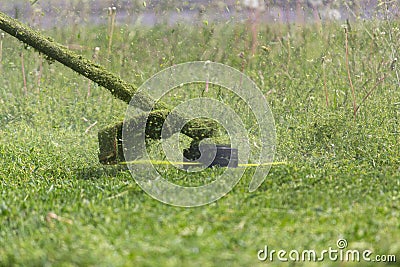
55	13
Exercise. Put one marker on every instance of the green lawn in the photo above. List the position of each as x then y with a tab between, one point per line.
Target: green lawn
60	207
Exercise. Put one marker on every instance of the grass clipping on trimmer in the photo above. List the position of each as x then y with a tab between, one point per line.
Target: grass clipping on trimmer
110	143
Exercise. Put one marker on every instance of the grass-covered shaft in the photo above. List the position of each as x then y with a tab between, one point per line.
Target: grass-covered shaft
118	87
83	66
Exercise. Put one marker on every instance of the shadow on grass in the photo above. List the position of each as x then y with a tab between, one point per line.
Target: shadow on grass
101	171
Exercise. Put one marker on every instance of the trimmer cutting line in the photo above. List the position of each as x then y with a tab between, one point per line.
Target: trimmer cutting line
207	155
187	163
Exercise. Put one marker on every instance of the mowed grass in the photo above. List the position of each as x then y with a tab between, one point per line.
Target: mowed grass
60	207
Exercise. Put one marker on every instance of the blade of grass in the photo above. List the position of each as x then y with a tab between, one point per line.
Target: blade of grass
346	30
